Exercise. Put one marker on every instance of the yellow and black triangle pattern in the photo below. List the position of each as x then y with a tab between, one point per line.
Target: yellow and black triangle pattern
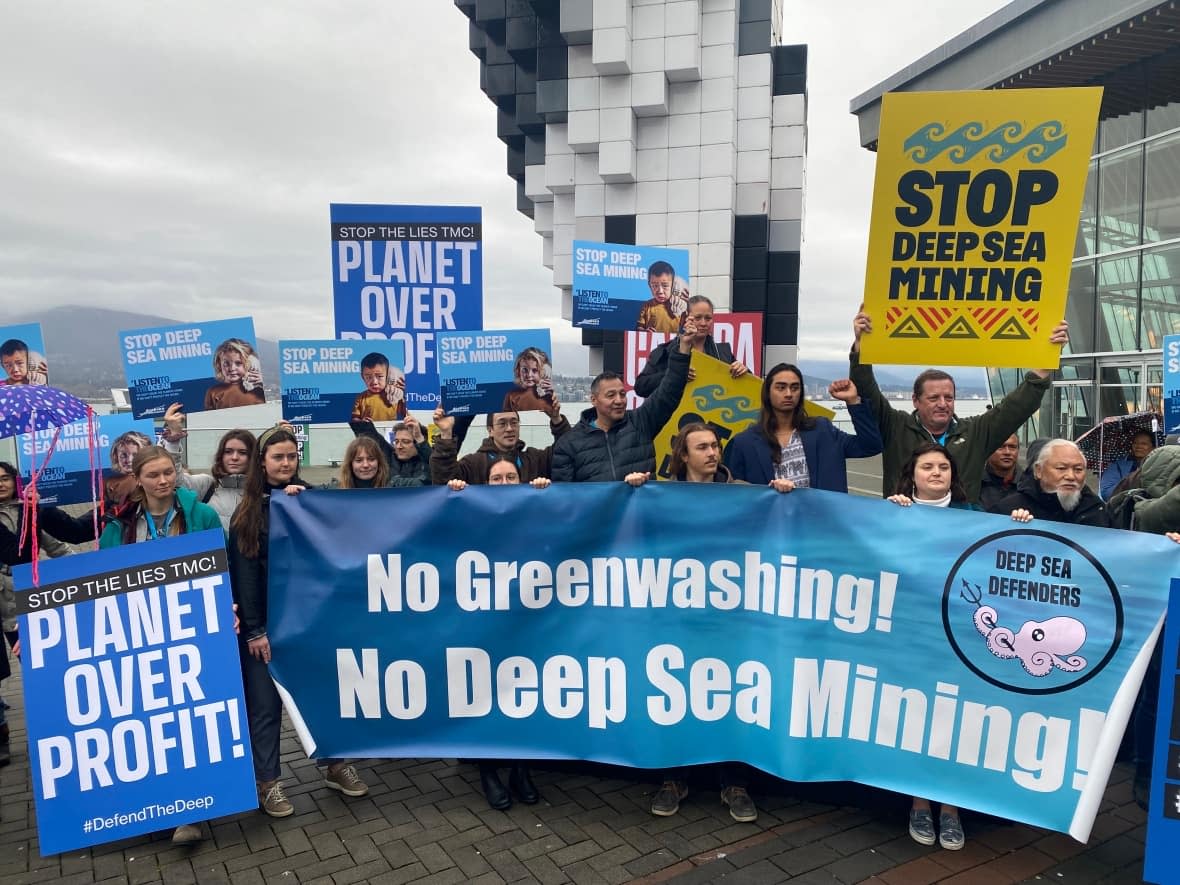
994	323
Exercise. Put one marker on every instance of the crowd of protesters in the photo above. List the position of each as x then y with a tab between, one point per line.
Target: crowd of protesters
930	458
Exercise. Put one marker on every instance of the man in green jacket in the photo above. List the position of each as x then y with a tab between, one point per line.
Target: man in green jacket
970	440
1156	502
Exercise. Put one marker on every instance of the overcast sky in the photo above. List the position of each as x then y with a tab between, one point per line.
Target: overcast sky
179	158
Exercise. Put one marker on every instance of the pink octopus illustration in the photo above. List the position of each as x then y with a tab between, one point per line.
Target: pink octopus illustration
1040	645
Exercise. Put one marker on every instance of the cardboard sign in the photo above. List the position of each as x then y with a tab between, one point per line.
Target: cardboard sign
1172	384
334	382
66	479
203	366
133	691
501	370
741	331
22	354
975	210
405	273
629	287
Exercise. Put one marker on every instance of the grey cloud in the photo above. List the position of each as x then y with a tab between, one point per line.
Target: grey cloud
180	158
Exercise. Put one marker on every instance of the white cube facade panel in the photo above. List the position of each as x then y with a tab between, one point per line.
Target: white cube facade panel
676	119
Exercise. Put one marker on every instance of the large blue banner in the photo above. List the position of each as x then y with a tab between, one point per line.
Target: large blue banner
630	287
333	382
133	691
406	273
503	370
66	479
941	653
203	366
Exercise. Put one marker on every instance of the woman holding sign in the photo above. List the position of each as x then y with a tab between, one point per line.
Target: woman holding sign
220	488
155	509
274	468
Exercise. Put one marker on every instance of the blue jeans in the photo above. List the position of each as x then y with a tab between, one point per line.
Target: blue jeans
264	713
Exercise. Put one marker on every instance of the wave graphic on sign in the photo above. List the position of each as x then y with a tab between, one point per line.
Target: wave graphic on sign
732	408
1001	143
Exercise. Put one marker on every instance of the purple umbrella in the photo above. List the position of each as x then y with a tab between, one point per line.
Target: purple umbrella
25	408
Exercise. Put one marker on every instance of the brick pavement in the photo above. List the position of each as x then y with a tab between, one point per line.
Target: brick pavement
426	821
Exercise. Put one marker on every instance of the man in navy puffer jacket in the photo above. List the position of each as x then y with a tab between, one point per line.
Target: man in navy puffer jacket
609	441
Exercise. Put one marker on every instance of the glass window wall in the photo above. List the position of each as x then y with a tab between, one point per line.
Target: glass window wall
1118	304
1120	199
1161	307
1161	204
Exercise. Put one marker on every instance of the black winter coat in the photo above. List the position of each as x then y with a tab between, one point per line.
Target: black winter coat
248	574
1044	505
657	363
587	454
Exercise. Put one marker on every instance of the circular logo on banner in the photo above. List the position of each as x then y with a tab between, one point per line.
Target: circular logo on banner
1031	612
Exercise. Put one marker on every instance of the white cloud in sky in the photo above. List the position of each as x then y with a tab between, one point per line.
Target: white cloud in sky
179	159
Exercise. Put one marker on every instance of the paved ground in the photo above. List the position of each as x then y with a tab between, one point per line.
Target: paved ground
426	821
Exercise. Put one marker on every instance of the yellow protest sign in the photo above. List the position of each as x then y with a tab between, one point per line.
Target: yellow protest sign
975	212
729	405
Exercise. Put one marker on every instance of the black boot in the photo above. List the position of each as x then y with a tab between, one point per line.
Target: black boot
522	784
5	755
493	789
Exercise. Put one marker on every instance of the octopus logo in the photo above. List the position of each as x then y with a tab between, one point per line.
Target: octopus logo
1069	612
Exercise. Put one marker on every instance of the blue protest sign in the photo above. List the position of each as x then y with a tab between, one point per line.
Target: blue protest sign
501	370
1162	850
333	382
133	691
630	287
203	366
1172	384
941	653
406	273
66	479
22	354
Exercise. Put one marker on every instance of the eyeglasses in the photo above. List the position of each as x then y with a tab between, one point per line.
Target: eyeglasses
506	423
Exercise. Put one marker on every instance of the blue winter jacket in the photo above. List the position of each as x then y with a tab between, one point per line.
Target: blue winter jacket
825	446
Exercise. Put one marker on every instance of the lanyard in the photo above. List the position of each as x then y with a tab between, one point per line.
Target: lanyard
151	523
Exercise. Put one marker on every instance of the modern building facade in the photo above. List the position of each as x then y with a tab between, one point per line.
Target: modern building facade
1124	296
656	122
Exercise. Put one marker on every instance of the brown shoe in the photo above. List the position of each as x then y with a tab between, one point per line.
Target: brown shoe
273	800
186	834
741	806
666	801
342	776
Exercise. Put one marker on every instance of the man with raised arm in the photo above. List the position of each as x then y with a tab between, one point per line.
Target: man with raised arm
609	441
503	443
969	440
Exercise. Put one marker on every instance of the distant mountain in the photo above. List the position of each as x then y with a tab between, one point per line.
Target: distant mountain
83	346
820	373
